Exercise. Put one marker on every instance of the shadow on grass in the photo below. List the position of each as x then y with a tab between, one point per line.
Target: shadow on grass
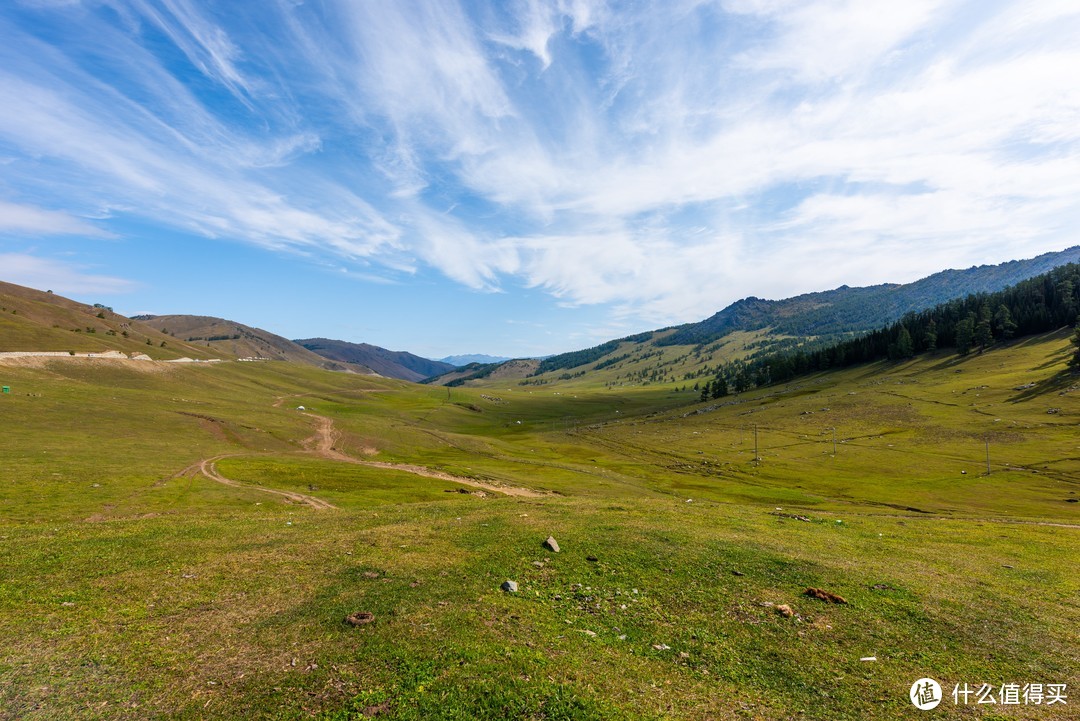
1054	384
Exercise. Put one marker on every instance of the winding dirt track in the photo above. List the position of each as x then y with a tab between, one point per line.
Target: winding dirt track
322	444
208	469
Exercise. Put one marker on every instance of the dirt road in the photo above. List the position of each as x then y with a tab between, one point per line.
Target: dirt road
208	468
322	443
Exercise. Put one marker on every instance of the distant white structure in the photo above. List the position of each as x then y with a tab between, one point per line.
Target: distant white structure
301	408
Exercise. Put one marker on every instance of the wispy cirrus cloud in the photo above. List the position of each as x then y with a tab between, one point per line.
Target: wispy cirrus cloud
38	272
31	220
660	160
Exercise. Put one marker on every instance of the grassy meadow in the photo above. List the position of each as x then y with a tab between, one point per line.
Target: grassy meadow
134	586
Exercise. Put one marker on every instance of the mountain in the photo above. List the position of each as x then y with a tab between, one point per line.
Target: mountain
460	361
515	369
238	340
392	364
845	310
754	326
34	320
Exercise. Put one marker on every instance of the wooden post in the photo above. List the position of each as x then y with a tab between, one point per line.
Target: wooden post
757	457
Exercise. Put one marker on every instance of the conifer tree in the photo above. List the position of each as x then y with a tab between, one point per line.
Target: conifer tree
904	347
930	337
1074	362
965	334
1004	323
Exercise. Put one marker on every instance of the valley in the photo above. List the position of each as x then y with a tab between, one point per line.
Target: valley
137	582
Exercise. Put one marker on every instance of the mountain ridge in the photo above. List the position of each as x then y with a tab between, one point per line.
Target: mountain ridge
393	364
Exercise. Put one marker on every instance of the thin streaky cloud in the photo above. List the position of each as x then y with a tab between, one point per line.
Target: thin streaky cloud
655	160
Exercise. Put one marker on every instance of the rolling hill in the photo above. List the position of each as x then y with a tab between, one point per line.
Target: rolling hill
42	321
241	341
392	364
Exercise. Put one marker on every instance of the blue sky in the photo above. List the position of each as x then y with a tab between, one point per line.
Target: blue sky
528	177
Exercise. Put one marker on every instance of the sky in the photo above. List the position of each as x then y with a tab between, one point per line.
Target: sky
524	177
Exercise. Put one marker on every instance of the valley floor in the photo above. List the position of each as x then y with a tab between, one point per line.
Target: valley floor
185	542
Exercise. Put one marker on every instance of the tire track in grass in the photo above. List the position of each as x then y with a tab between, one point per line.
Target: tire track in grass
208	468
322	444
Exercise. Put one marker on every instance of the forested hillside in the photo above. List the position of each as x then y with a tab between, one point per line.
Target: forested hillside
971	324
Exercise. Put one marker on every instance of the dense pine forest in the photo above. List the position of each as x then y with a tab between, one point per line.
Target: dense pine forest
970	325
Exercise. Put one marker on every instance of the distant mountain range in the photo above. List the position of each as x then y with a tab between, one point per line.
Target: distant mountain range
461	361
687	352
34	320
393	364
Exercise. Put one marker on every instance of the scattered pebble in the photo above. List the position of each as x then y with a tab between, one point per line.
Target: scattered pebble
661	647
509	586
551	544
868	658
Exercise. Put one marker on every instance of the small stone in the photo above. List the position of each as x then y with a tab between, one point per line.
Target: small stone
661	647
551	544
868	658
737	573
509	586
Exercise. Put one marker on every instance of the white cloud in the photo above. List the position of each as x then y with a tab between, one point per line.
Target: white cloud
30	220
47	274
659	160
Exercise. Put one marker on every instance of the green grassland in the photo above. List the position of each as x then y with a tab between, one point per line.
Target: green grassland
132	586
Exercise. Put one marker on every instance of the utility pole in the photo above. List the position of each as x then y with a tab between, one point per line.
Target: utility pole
834	440
757	457
988	458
